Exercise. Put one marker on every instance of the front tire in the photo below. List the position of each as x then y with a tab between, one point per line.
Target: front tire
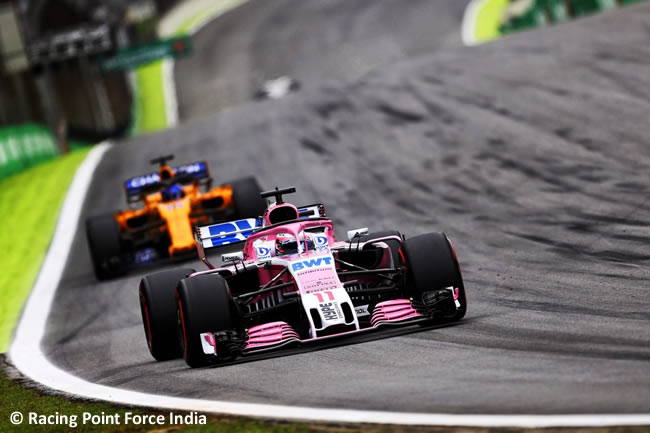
432	267
246	197
204	305
157	294
104	242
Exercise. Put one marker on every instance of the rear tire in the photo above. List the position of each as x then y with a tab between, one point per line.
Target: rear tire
246	198
204	305
104	242
158	307
432	266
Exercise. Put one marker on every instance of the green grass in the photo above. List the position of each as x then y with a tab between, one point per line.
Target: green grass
488	19
149	113
14	397
29	206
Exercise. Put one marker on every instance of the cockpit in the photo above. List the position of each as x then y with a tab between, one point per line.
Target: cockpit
285	244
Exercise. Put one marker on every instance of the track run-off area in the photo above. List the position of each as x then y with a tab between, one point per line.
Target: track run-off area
531	153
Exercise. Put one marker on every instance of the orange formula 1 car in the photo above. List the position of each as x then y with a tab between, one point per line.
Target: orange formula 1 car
164	208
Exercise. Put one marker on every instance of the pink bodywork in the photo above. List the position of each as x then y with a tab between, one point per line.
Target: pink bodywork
270	334
395	310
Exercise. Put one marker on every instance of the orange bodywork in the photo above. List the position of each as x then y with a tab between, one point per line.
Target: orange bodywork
175	219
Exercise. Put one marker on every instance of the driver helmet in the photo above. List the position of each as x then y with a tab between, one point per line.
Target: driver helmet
174	192
286	243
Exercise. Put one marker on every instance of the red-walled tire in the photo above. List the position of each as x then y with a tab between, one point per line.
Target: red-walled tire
157	295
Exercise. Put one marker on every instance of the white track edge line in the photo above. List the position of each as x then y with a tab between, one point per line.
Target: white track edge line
169	93
27	355
469	22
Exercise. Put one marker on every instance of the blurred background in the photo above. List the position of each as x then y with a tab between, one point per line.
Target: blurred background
71	70
65	70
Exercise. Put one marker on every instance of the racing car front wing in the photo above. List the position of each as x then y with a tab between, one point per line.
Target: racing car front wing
274	335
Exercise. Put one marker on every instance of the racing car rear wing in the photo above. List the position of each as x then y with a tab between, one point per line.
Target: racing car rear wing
135	186
221	234
216	235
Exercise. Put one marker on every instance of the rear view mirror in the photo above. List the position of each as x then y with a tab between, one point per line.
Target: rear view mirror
233	257
352	234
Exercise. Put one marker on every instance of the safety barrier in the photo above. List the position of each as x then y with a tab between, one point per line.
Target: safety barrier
543	12
22	146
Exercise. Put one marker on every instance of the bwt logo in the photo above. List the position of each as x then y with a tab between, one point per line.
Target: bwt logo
311	263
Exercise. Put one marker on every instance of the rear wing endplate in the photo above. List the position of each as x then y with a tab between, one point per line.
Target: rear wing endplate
216	235
221	234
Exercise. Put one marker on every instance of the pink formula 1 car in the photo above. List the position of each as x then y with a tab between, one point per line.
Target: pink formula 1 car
295	284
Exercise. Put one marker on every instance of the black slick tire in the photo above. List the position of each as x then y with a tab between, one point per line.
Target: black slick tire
246	198
432	265
157	293
204	305
104	242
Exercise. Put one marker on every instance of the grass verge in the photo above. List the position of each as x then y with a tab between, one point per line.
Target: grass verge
29	206
150	113
488	18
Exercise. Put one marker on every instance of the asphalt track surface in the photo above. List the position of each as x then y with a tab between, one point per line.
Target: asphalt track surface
532	154
313	41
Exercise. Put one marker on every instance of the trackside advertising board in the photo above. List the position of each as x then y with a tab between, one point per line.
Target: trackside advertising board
131	57
22	146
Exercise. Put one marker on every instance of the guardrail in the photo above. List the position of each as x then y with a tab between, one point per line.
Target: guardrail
22	146
542	12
